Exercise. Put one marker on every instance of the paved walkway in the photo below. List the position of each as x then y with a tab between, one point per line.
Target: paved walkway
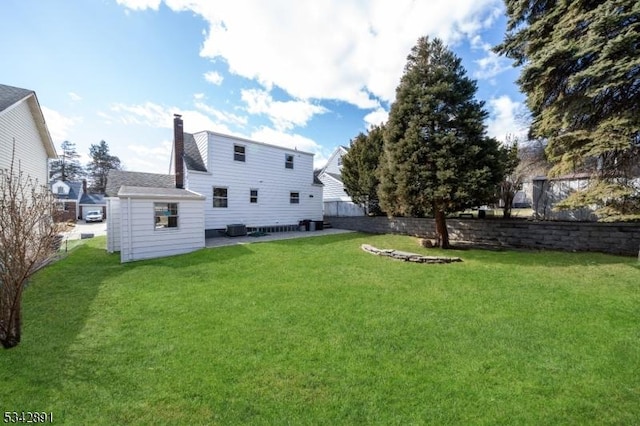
95	228
230	241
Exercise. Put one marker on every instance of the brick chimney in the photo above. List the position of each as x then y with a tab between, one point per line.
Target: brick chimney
178	150
84	186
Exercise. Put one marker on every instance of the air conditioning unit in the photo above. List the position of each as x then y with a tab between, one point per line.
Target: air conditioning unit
236	230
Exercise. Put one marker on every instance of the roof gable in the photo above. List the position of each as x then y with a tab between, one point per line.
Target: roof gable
332	162
10	96
119	178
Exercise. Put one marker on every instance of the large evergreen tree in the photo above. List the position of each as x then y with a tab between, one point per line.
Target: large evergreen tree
581	75
360	166
67	166
101	163
437	157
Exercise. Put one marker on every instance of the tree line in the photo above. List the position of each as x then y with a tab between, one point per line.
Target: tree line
580	72
67	166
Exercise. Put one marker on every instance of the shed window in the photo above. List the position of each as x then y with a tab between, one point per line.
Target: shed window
288	161
294	197
166	215
253	196
220	197
239	153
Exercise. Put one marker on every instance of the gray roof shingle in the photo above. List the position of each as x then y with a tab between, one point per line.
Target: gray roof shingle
92	199
9	95
118	178
192	157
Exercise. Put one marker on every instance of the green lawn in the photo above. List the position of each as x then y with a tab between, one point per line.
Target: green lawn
316	331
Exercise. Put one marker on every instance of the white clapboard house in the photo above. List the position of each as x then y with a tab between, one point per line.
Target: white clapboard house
222	185
24	134
336	200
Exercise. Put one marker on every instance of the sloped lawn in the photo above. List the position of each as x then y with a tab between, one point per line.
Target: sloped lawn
316	331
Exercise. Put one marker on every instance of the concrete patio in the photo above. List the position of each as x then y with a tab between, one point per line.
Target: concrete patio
230	241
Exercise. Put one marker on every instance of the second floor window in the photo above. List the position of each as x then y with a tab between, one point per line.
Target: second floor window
239	153
253	196
288	161
294	197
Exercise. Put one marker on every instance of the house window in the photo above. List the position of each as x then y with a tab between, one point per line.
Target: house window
220	197
294	197
61	207
253	196
61	190
165	215
288	161
340	161
239	153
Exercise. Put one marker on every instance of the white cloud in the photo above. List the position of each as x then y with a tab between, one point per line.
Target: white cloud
161	116
492	64
376	117
75	97
161	151
140	4
142	157
59	125
221	116
284	115
213	77
345	50
506	118
287	140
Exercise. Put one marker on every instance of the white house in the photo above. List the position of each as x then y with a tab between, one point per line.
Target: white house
22	125
219	181
74	201
261	186
336	201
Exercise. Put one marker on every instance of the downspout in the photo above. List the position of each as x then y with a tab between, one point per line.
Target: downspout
129	228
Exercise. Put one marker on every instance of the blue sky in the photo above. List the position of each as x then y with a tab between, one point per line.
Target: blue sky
304	74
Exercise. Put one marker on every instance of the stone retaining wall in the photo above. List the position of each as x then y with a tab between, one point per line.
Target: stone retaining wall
614	238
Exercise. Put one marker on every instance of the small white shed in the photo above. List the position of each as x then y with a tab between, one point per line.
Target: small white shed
144	222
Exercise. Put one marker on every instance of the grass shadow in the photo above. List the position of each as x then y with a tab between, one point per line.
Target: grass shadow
57	302
199	257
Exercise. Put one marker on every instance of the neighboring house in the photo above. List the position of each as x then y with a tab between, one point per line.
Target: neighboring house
92	202
219	180
22	121
336	201
547	192
67	195
74	201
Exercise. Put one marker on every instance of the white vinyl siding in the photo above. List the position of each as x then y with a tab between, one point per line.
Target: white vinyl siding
264	171
333	189
113	225
141	240
17	122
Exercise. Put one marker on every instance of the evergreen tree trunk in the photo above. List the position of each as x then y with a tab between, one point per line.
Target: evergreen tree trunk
442	234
